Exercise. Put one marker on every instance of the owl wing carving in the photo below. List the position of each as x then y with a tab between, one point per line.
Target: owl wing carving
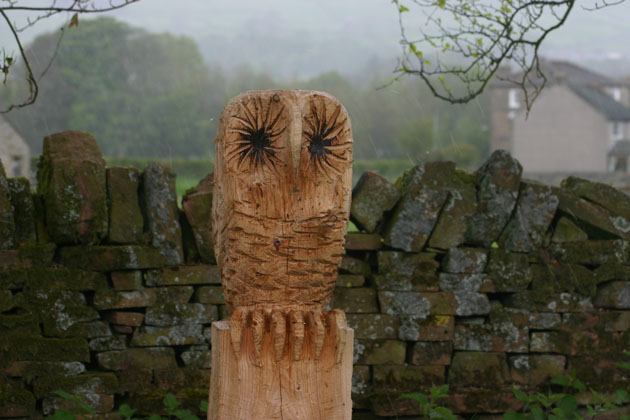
281	198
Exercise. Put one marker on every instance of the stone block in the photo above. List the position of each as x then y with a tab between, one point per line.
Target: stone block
126	280
185	275
471	303
544	321
527	229
6	300
465	260
23	211
400	271
598	371
502	337
355	300
417	303
210	294
536	369
111	258
54	279
432	353
567	231
595	220
171	294
615	320
178	335
126	223
350	280
612	271
373	326
461	205
354	266
113	342
592	252
417	212
508	271
31	370
430	328
137	358
379	352
71	179
16	402
175	313
537	301
407	378
89	384
7	221
79	329
356	241
605	195
461	282
27	257
162	214
498	182
614	295
471	369
550	342
564	278
197	356
34	348
361	381
133	319
109	299
197	206
372	196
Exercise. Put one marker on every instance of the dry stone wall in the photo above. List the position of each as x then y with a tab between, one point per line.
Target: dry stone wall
484	281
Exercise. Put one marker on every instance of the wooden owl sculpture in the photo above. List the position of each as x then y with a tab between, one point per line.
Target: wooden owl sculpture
280	208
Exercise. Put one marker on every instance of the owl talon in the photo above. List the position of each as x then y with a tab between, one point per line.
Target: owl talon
317	329
258	329
337	324
279	331
237	327
296	325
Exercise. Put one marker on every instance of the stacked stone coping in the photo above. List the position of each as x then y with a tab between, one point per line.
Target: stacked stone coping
483	281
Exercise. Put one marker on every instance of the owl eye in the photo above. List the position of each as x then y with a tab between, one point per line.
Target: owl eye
321	137
257	130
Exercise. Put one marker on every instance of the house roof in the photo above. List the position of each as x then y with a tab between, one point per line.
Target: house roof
602	102
563	71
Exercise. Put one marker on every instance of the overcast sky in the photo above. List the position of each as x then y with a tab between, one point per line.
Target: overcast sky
306	37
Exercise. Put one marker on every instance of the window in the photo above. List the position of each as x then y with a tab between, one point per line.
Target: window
514	100
615	93
16	166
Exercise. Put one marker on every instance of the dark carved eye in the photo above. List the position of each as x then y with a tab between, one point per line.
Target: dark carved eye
257	131
321	136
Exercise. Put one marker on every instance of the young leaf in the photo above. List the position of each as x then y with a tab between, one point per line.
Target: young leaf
442	413
513	415
185	415
203	406
170	402
622	396
520	395
63	415
64	395
560	380
568	405
126	412
416	396
86	407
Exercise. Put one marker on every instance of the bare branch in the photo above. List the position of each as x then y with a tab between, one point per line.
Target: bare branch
460	45
603	4
32	83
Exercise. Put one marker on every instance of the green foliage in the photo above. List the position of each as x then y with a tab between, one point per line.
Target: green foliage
428	406
79	409
563	405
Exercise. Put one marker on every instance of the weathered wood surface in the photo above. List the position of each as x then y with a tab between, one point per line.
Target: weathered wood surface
281	200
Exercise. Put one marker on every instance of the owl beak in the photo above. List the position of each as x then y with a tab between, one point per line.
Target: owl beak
296	139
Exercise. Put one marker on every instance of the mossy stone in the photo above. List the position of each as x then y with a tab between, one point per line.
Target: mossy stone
24	211
197	207
89	383
474	369
355	300
567	231
125	216
372	196
47	349
111	258
71	179
7	221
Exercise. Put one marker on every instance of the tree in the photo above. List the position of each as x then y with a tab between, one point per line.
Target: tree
30	13
463	43
138	93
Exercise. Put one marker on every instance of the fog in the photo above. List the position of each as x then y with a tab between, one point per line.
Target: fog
302	38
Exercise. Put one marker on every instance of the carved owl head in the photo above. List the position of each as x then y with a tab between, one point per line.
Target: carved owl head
281	198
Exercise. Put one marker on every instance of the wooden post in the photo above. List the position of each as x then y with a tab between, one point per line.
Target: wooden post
281	202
